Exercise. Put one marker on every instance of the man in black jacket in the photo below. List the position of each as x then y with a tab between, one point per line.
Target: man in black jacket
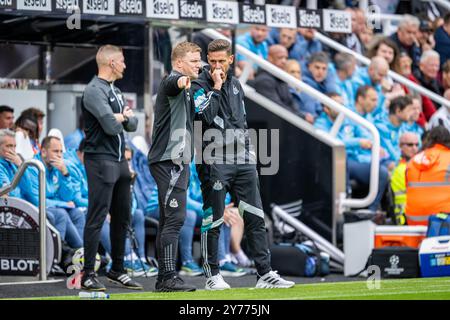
106	117
169	158
273	88
219	103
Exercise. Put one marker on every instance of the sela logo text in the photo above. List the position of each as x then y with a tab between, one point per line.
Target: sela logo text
131	6
309	19
5	2
191	10
222	12
35	3
65	4
253	15
280	16
339	21
97	5
163	7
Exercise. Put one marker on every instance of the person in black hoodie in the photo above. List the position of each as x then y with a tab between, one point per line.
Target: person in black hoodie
169	158
273	88
107	171
219	104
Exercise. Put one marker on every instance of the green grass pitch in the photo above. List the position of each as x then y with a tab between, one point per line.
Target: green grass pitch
404	289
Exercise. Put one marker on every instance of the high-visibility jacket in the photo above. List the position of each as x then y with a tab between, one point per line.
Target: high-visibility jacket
428	184
398	186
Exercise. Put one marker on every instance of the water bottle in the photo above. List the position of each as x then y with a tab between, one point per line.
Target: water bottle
93	295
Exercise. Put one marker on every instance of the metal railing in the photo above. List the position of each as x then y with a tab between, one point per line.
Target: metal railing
321	242
42	213
397	77
284	76
444	4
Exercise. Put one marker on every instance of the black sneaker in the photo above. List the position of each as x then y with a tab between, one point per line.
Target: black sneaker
123	279
90	282
158	284
173	285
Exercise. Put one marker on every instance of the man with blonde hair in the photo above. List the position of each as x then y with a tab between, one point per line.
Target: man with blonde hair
106	117
169	158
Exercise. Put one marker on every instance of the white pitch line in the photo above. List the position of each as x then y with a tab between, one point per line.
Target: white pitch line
31	282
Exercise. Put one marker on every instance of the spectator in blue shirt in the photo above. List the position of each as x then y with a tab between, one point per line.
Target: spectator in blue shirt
372	76
345	65
59	191
310	107
289	39
256	41
72	141
357	142
308	45
316	74
411	125
390	127
9	163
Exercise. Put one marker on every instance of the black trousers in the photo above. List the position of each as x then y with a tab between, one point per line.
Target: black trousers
243	184
109	192
172	181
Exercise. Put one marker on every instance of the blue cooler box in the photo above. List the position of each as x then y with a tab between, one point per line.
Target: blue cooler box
434	257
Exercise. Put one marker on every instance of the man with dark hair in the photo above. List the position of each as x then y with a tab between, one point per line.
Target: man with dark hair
169	158
39	116
106	118
219	103
366	102
390	126
316	74
6	117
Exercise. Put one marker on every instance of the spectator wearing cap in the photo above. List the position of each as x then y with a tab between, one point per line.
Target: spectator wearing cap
442	39
6	117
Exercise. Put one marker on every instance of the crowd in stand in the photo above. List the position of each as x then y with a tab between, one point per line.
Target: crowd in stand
418	50
67	197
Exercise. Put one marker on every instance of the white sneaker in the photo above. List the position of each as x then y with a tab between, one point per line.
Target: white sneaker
216	283
273	280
